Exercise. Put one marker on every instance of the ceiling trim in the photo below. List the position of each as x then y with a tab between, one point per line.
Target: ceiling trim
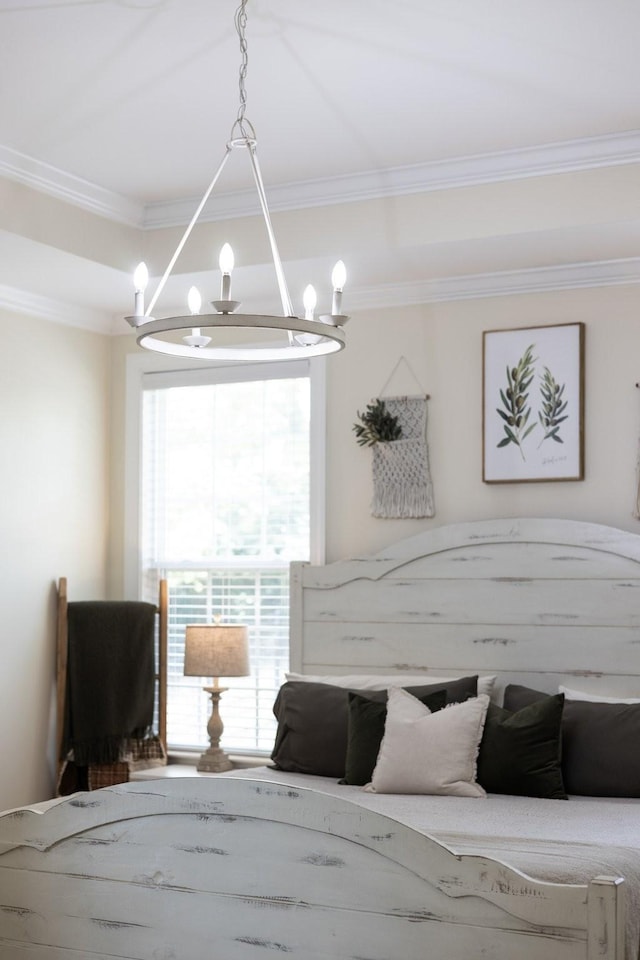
466	287
603	273
15	300
562	157
70	189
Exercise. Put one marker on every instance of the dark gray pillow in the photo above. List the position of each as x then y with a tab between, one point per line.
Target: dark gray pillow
313	720
600	755
520	750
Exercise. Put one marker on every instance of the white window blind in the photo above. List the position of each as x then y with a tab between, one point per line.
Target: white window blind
225	508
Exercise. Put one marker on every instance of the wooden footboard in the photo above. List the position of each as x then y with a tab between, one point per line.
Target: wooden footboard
239	869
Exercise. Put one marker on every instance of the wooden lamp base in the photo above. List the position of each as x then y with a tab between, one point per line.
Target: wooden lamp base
214	759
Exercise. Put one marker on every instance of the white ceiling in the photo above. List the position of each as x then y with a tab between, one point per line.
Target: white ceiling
137	97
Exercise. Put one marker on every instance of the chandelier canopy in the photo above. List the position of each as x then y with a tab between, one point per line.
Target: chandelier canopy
193	335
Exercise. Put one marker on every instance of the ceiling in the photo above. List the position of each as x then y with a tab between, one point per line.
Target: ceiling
136	98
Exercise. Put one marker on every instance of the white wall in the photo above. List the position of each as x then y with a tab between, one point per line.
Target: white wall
53	522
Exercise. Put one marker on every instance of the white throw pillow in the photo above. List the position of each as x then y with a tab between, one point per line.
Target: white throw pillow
430	753
369	681
572	694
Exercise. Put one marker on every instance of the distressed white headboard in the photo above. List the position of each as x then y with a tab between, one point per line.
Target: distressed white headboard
538	602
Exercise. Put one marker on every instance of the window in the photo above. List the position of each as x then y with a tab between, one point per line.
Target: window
226	497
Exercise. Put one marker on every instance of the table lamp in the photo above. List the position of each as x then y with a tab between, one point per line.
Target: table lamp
215	650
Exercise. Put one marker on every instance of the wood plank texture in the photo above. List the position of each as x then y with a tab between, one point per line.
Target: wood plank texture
533	601
541	602
233	868
241	869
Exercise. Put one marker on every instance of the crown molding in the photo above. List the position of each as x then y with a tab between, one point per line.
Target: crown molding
69	188
15	300
552	158
505	283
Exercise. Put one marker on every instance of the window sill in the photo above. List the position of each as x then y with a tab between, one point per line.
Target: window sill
240	761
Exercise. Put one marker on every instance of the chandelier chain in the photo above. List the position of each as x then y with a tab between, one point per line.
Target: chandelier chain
241	24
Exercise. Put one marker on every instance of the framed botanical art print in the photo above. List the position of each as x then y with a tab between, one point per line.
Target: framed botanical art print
533	404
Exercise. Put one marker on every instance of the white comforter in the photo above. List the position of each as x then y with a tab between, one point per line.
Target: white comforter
554	840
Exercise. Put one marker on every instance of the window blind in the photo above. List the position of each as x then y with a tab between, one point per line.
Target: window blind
225	508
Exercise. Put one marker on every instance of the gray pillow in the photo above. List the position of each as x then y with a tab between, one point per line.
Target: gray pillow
600	755
313	721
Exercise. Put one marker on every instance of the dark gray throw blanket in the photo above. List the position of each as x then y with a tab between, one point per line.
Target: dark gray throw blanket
110	679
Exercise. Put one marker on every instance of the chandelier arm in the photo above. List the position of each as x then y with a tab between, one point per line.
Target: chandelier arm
287	306
185	236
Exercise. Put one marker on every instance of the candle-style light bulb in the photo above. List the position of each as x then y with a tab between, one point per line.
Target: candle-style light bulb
309	300
140	281
338	280
226	262
194	300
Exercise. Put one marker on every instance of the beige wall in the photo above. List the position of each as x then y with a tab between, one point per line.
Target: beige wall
63	422
443	346
54	398
62	509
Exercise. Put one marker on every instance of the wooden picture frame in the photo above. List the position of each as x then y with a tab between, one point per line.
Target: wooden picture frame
533	404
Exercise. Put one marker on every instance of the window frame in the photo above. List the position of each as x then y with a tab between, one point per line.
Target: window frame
139	366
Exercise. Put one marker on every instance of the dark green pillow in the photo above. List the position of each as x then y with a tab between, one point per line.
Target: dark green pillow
520	752
365	731
600	756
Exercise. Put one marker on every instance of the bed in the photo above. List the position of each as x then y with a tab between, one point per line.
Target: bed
275	862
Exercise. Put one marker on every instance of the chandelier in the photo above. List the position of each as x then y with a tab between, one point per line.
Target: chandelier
193	335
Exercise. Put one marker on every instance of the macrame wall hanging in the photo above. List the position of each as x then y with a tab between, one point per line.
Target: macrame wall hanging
396	429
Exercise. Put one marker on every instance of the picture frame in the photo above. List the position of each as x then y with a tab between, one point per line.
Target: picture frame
533	404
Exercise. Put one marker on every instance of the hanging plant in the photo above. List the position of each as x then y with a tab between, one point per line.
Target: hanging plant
376	425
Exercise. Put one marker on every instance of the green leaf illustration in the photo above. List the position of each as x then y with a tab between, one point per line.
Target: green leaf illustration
552	410
516	410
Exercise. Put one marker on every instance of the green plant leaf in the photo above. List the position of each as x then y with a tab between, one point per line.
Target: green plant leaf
376	425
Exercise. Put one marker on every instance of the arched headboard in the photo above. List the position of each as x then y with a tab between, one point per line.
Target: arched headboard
534	601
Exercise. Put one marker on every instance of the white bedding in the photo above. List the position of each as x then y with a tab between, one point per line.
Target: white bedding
553	840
